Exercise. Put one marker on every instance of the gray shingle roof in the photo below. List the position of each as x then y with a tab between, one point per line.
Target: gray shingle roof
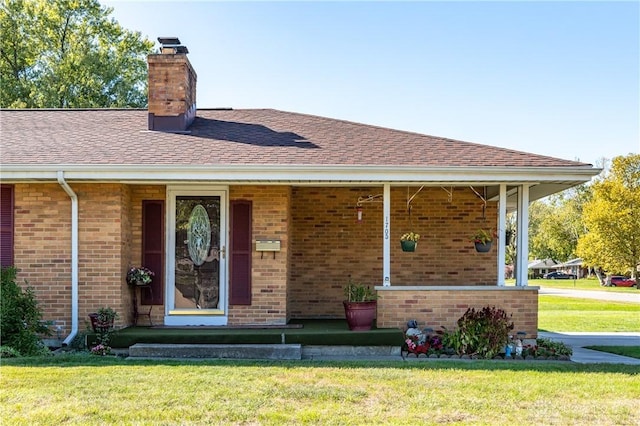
236	137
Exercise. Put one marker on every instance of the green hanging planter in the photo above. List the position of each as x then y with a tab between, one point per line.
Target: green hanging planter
483	248
408	245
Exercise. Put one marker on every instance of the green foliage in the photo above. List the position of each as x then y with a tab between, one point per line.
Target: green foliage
482	236
69	54
410	236
482	332
612	217
547	347
356	292
105	316
556	224
20	318
8	352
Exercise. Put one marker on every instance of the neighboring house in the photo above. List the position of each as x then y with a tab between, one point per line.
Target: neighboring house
573	266
537	268
251	216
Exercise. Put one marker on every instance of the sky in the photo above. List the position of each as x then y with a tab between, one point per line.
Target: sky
552	78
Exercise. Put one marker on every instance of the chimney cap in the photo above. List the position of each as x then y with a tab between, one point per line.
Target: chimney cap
169	41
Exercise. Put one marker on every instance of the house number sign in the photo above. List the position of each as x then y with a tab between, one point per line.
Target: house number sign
198	235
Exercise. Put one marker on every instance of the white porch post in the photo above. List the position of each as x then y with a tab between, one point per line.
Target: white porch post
386	235
502	224
522	275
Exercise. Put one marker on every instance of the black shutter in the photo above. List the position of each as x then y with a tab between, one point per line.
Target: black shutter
153	249
6	225
240	253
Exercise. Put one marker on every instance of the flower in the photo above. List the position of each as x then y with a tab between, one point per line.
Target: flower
139	275
410	236
483	237
101	350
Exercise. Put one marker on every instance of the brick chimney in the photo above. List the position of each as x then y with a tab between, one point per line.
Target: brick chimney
172	87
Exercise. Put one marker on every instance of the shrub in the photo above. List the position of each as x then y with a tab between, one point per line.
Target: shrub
8	352
20	318
480	332
547	347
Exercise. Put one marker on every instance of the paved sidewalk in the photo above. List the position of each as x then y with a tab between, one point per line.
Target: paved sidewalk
632	296
578	341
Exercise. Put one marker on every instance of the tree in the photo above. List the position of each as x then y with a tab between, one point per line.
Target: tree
560	224
612	218
69	54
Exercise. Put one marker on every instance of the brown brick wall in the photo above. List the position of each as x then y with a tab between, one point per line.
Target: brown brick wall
43	248
436	308
328	245
172	84
101	266
322	245
271	205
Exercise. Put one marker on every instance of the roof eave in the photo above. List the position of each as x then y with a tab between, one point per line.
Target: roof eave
297	173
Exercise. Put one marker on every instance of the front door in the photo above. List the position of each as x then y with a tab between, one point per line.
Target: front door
196	257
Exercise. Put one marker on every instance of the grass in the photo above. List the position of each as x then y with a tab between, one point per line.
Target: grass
556	313
86	390
95	390
630	351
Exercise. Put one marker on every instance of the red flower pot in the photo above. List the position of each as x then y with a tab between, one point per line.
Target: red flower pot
360	315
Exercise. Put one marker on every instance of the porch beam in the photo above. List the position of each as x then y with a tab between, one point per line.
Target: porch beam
386	235
502	225
522	275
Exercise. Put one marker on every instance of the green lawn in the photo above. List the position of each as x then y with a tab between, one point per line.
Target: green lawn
92	390
556	313
89	390
630	351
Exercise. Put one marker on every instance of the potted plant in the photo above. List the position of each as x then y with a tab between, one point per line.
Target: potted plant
409	241
102	320
359	306
139	275
482	240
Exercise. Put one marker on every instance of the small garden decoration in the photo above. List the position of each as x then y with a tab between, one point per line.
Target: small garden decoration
409	241
421	342
482	240
139	275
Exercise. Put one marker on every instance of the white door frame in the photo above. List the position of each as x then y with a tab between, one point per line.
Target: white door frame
174	316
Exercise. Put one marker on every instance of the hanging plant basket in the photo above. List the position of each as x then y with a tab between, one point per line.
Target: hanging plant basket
100	326
483	248
408	245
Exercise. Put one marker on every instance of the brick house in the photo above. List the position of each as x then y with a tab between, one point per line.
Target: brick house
252	216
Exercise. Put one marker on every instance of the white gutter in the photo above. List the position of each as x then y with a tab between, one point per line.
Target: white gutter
301	173
74	257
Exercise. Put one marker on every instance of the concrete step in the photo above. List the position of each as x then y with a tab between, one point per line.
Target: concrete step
246	351
355	352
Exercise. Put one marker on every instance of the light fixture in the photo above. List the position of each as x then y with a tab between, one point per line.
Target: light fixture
359	212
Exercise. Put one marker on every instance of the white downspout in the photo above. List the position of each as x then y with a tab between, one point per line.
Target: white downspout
74	257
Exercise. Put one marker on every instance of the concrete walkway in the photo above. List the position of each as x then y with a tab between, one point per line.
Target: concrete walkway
578	341
632	295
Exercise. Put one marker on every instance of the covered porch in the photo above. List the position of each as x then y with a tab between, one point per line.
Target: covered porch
340	233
